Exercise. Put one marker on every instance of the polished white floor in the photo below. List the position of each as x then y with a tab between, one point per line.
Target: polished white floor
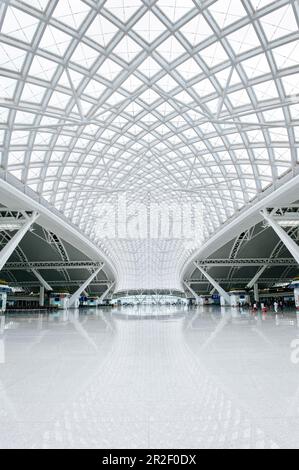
153	377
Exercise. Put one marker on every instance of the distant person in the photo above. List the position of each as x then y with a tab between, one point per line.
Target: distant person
275	305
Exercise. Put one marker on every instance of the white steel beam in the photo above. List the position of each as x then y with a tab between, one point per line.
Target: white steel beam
256	276
290	244
192	291
79	291
214	283
9	248
41	280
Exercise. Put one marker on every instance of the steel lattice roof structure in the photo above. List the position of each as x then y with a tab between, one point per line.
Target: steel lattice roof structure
165	101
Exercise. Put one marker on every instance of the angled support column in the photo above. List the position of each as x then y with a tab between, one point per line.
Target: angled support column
41	296
78	292
192	292
41	280
106	292
214	283
256	292
9	248
290	244
256	276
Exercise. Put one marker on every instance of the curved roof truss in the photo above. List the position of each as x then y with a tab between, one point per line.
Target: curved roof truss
161	100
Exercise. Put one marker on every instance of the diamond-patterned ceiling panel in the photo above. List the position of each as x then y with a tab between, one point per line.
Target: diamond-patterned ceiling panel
164	101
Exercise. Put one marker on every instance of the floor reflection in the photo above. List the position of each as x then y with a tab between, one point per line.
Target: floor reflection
149	377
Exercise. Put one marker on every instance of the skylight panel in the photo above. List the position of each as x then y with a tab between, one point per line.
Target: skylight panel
133	109
57	156
189	69
81	143
37	156
123	9
71	12
273	115
149	119
76	78
33	93
115	98
213	55
278	134
279	23
24	118
196	30
42	138
84	55
256	66
135	129
239	98
183	98
94	88
59	100
228	77
170	49
243	39
3	114
294	110
166	83
11	58
7	87
54	40
204	87
109	69
149	67
19	25
175	9
286	55
68	170
258	4
265	90
149	27
16	158
255	136
213	105
131	84
234	138
101	30
149	96
19	138
34	173
291	85
42	68
127	49
226	12
40	5
265	170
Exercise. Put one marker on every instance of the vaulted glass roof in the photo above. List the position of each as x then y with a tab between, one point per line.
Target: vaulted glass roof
165	101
